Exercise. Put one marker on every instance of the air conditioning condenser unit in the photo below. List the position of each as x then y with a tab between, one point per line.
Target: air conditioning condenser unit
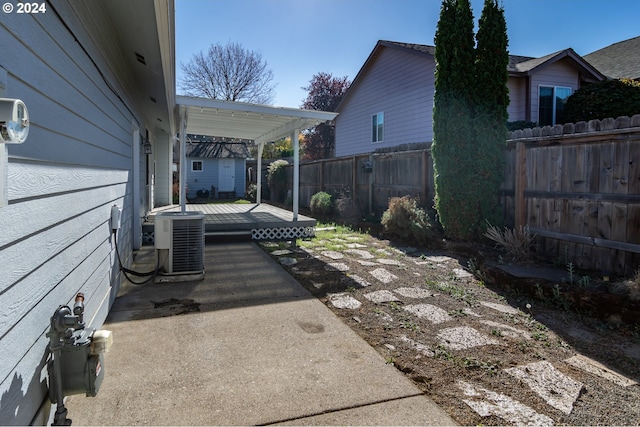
179	242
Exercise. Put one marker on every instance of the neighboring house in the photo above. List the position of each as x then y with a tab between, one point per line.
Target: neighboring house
216	168
619	60
390	102
98	81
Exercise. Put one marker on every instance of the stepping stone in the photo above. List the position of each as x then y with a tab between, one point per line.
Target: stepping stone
340	266
288	261
388	261
438	258
413	292
359	280
383	275
430	312
487	403
355	245
281	252
381	296
470	312
344	301
269	244
554	387
332	254
359	252
503	308
367	263
462	337
419	347
461	273
507	330
384	252
589	365
317	285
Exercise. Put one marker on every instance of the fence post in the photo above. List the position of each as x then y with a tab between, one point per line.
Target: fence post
354	178
520	184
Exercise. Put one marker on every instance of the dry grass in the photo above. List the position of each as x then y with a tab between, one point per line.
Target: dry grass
515	242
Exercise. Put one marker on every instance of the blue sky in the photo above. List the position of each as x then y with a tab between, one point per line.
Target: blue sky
299	38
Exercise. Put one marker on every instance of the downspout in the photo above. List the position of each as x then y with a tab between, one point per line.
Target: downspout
183	158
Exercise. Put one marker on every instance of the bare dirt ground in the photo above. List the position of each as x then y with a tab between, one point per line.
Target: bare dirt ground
485	355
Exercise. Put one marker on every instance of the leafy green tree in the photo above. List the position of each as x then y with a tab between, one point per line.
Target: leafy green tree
452	149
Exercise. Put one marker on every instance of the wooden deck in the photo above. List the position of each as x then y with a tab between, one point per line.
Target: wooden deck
262	221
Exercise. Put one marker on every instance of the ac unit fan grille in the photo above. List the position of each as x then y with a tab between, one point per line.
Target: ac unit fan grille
188	242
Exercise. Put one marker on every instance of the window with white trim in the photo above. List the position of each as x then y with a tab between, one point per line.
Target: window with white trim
377	127
196	165
552	100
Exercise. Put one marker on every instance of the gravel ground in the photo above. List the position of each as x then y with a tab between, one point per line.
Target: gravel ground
484	355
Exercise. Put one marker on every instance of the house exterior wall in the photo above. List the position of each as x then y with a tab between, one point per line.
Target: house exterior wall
517	99
559	73
55	233
208	176
401	85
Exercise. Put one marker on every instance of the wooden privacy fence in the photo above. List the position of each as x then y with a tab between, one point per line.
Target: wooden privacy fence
576	186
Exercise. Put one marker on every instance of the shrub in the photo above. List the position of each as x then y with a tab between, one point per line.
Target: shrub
609	98
252	192
520	124
346	207
515	242
321	203
405	220
277	179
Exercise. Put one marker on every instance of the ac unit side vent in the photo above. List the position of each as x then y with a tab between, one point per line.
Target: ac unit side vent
180	242
188	244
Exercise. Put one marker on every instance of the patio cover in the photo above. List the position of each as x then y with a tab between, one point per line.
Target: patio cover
260	123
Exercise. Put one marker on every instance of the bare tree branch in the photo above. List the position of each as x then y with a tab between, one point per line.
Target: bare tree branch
230	73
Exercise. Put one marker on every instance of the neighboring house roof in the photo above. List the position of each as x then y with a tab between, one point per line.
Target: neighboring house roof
518	65
522	65
218	149
618	60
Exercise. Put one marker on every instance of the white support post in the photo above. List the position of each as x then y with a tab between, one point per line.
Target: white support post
296	172
259	177
183	158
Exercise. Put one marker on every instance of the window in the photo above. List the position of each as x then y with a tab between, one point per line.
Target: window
552	102
196	165
377	127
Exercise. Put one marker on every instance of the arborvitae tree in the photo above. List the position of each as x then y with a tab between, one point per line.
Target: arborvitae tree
452	149
491	102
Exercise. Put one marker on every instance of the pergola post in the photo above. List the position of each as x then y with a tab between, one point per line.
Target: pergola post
296	172
259	177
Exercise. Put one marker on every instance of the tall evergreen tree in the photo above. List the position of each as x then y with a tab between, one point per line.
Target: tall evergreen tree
452	148
492	100
469	119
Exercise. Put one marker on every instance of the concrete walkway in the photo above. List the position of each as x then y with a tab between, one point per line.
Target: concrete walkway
248	345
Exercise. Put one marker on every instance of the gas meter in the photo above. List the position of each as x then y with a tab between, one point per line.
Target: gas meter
77	365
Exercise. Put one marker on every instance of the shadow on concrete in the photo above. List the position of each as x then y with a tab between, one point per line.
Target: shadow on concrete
236	275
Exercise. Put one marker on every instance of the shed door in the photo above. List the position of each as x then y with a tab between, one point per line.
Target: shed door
226	174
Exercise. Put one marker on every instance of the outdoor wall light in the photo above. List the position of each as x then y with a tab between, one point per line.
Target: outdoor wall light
14	121
146	146
367	166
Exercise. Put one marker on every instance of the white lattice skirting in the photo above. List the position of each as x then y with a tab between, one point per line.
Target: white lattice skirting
283	233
